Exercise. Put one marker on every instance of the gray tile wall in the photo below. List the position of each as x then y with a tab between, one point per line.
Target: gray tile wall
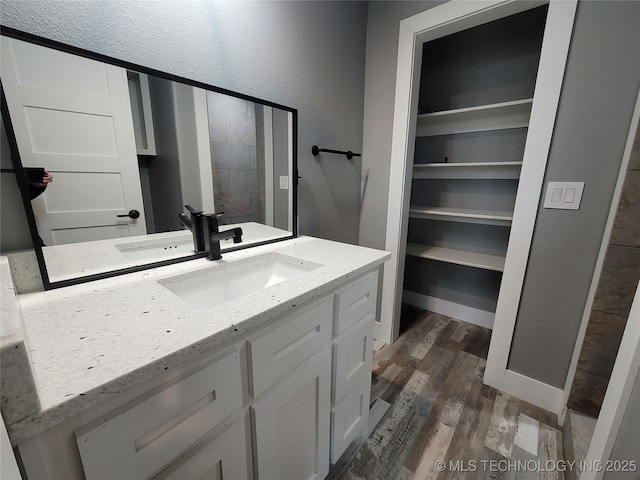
237	177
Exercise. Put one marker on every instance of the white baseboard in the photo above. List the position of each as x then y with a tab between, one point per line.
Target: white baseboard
451	309
533	391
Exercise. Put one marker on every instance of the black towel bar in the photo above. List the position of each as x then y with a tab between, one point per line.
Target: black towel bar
315	150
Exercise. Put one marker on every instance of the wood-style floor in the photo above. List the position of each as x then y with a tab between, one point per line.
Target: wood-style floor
440	410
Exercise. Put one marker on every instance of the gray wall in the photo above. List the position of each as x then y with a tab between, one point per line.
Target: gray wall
164	167
383	29
306	55
598	96
14	231
599	93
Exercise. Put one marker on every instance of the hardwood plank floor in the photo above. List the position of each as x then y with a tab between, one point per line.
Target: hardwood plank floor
441	411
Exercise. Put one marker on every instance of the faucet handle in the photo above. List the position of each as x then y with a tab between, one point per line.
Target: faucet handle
192	210
210	220
213	215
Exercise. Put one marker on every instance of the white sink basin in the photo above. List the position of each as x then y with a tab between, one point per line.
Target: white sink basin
215	286
160	249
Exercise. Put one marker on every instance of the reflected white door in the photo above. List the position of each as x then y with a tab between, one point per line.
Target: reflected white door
72	116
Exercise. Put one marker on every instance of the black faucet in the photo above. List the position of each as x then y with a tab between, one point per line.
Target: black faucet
213	235
195	224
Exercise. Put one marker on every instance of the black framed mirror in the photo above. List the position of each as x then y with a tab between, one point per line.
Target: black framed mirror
126	148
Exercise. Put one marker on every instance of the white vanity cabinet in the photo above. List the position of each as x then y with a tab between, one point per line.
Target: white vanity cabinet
354	316
281	401
291	420
308	419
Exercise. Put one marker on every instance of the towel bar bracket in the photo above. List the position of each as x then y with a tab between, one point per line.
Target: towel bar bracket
315	150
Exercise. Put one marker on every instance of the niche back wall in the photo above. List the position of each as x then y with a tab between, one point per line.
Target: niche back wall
305	55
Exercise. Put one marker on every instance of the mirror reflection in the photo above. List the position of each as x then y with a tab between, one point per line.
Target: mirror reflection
113	155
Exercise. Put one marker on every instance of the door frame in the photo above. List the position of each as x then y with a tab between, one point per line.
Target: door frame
616	400
445	19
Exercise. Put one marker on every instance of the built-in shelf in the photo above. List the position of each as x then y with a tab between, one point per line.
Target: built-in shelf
459	257
467	215
471	170
496	116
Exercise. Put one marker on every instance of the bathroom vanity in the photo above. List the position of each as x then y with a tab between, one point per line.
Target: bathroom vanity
254	366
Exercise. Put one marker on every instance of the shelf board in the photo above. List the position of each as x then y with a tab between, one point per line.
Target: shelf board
471	170
496	116
466	215
458	257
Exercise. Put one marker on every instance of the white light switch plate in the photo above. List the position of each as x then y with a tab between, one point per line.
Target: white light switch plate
284	182
564	195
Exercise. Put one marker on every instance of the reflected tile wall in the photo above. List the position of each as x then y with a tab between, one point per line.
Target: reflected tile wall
612	302
234	156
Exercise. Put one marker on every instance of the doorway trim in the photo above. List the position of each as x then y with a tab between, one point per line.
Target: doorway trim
445	19
616	400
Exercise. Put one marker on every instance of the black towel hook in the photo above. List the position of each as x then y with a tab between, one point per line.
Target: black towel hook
315	150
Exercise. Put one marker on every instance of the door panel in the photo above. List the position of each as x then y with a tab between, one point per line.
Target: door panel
72	116
98	191
56	71
54	132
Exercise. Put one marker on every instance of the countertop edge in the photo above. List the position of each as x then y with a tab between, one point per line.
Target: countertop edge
34	424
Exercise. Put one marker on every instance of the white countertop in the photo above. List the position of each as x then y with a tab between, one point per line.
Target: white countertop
89	342
74	260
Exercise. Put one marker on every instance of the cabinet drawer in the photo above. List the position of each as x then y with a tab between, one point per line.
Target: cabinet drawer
355	302
217	458
352	354
349	418
146	434
274	354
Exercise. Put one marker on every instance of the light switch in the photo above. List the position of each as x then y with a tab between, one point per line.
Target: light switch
570	195
564	195
284	182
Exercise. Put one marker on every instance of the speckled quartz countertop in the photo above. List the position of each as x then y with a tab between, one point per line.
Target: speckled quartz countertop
89	342
80	259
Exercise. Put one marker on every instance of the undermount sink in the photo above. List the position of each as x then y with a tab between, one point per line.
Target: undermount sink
221	284
160	249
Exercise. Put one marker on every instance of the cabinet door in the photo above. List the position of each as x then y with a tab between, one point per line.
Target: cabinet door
350	418
291	424
352	353
220	458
